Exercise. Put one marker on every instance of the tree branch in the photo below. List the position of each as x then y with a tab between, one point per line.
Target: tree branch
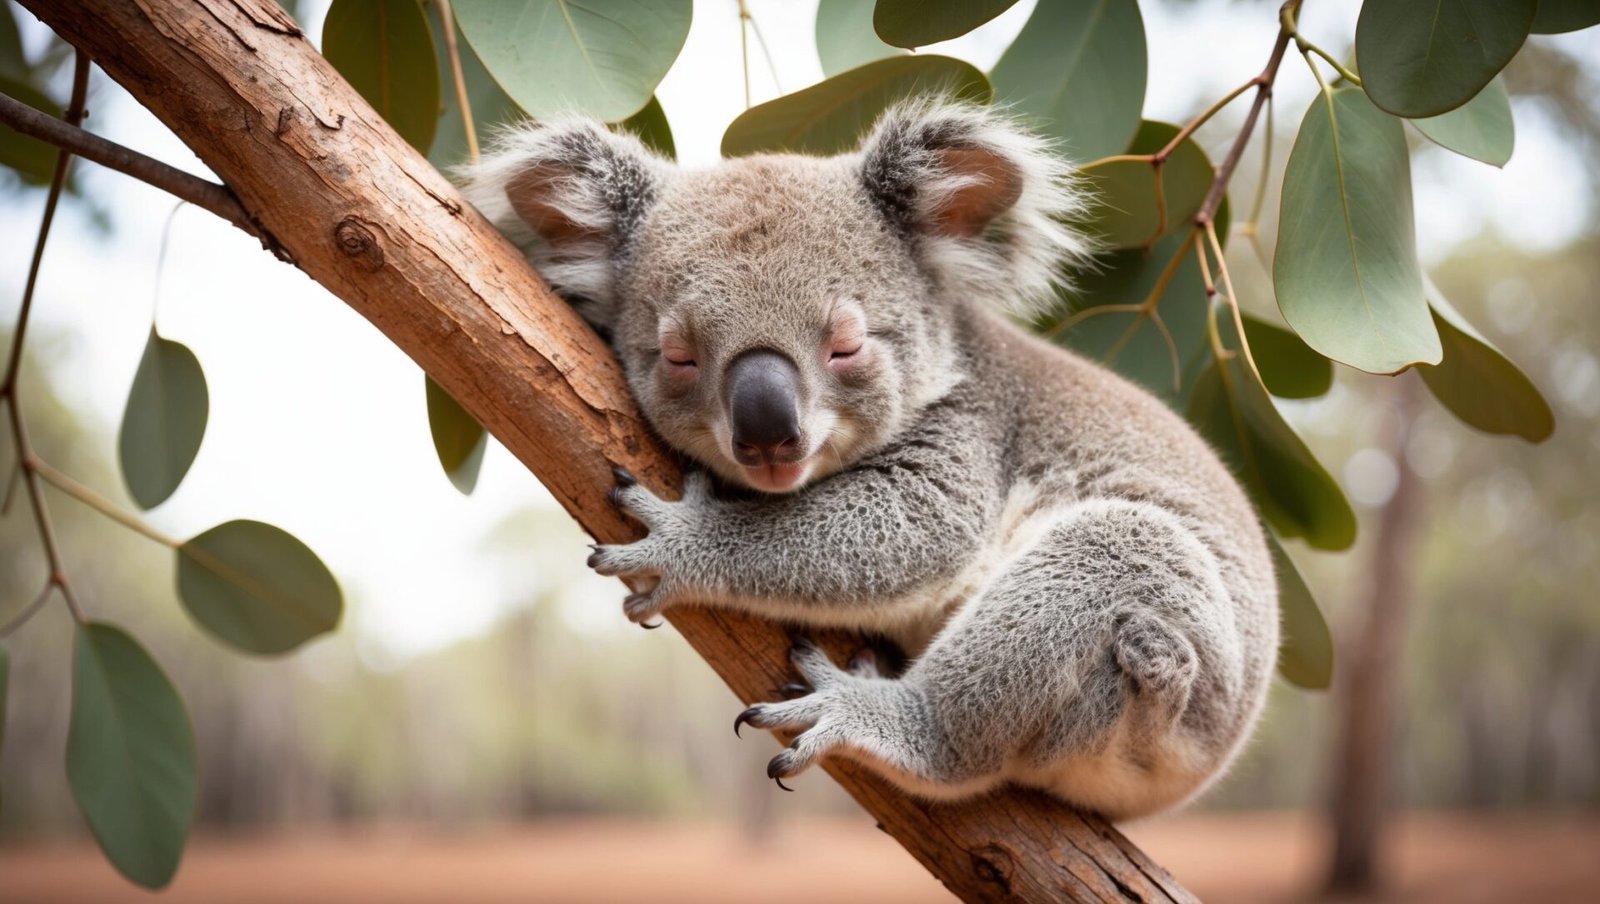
197	191
366	216
1219	185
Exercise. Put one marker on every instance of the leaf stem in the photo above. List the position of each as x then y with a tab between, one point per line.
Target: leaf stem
27	462
28	610
1286	17
744	49
100	503
1160	156
447	24
1233	300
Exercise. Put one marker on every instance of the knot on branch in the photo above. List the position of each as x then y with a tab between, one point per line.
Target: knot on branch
358	243
993	864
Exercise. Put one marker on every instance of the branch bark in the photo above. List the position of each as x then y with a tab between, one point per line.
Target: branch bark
366	216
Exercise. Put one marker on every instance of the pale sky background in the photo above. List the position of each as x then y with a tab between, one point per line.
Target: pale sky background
318	423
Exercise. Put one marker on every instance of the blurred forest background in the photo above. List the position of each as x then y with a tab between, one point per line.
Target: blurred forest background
554	709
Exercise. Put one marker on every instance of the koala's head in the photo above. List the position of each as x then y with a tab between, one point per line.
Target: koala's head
780	317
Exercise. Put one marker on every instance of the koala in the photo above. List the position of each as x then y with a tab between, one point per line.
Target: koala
1084	593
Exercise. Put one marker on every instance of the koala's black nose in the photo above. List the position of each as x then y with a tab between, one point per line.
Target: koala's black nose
763	396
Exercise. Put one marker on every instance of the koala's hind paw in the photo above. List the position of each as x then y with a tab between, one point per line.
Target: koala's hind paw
818	714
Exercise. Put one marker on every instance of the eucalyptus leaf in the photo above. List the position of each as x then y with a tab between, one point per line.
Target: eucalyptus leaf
1481	128
1346	271
33	160
1305	649
1127	210
602	58
1560	16
164	421
1078	69
1130	342
384	49
652	128
1426	57
1292	490
491	107
5	675
832	116
1479	384
257	588
1289	367
918	23
845	38
457	438
130	754
13	63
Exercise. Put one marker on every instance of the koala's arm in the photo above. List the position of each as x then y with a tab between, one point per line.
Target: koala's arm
859	540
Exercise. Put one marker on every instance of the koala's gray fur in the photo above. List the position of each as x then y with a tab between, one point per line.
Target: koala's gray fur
1084	590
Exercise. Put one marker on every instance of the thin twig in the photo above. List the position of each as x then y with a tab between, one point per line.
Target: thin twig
26	461
1193	124
197	191
772	67
1219	184
447	24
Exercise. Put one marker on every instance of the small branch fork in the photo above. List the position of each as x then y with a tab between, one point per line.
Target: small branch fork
1203	235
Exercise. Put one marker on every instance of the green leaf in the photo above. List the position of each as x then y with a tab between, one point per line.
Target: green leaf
457	438
602	58
1481	128
130	755
1288	366
1560	16
1479	384
652	128
918	23
1126	213
32	159
13	63
1305	651
1346	270
257	587
1293	491
491	107
1130	342
5	674
1078	69
384	49
845	38
831	117
1425	57
163	422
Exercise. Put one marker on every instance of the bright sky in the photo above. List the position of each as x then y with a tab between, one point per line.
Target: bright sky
318	424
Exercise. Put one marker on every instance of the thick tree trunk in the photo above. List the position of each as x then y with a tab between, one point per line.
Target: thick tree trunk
1361	796
359	211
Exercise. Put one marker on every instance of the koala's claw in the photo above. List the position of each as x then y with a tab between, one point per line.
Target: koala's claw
778	769
792	690
624	476
747	715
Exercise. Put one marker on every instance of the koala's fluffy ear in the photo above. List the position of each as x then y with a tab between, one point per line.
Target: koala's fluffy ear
571	194
986	203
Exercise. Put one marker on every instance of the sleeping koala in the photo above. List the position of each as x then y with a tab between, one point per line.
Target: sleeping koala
1084	591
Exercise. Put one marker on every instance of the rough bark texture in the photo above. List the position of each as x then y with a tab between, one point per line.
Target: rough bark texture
358	210
1362	794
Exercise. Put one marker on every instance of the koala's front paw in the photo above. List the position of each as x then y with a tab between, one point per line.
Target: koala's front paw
664	552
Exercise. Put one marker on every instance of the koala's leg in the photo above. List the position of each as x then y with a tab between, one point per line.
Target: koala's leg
1072	672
